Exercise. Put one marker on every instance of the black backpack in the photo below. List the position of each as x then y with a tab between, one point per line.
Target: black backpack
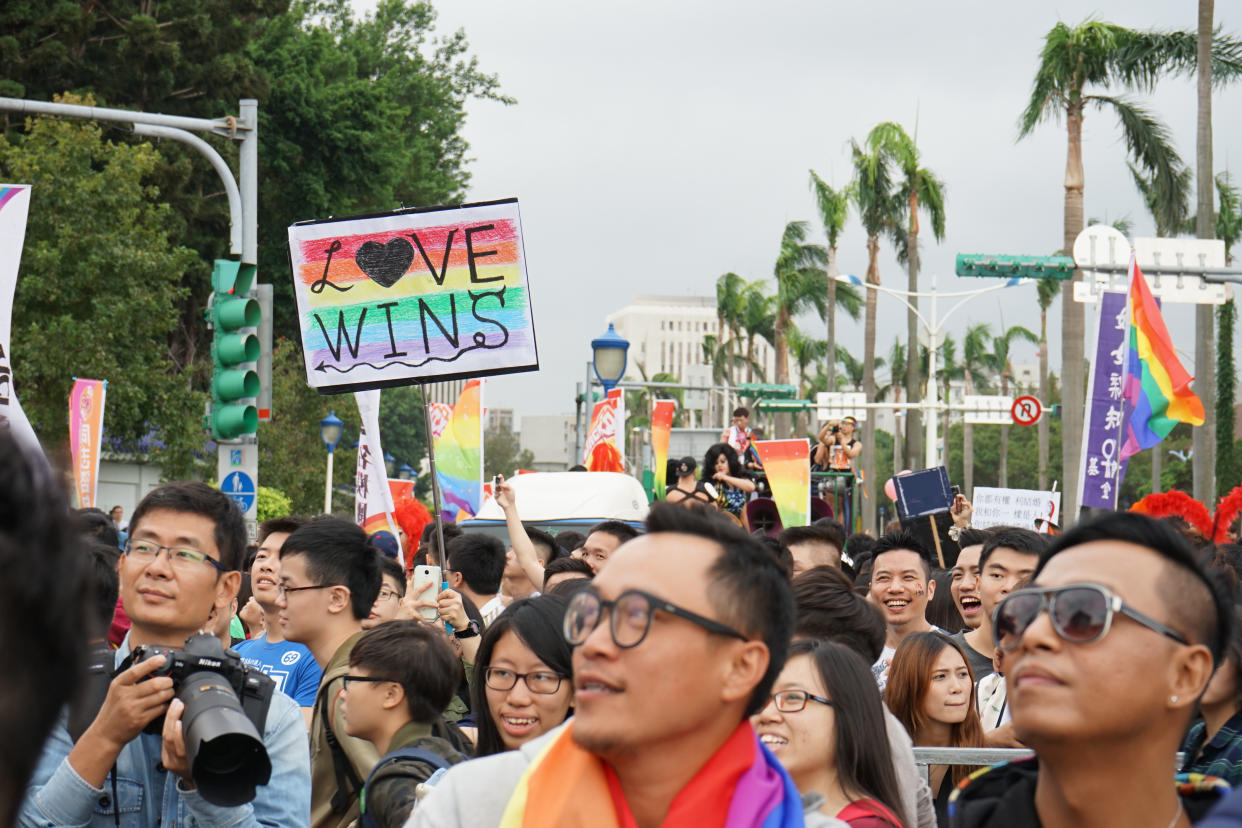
430	758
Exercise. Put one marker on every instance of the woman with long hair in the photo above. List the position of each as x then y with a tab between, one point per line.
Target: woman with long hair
825	722
523	675
931	690
723	471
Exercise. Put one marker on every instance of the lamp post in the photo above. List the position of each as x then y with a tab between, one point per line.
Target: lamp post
405	472
934	328
330	432
609	358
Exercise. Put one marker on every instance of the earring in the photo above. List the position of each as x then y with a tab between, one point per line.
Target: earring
1173	699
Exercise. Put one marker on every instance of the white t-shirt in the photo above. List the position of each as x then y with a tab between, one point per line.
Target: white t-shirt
880	669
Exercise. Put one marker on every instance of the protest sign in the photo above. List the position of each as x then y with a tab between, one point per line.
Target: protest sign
1014	507
413	296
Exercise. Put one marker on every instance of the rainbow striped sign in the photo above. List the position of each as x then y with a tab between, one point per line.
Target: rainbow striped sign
787	464
413	296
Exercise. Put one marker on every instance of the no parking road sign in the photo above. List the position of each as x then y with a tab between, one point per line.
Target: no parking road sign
1026	410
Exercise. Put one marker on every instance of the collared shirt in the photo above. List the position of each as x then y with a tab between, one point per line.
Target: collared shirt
1221	756
149	796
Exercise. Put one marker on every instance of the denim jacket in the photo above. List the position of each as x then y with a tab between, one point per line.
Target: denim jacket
150	796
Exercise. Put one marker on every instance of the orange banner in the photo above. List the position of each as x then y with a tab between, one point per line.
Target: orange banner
661	428
787	464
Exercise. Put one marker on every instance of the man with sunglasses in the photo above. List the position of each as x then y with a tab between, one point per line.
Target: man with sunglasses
676	642
329	579
1106	655
178	573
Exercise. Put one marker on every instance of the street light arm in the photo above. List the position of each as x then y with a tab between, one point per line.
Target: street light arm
896	294
217	163
972	295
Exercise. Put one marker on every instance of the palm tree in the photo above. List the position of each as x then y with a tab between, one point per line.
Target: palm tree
801	284
854	369
1096	53
1169	209
896	376
833	206
730	304
758	320
879	208
1047	290
1228	229
805	351
1002	364
919	188
977	362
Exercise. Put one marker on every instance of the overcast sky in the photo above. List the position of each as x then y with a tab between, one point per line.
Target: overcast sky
659	143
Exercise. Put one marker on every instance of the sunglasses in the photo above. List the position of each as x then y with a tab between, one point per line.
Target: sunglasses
1080	614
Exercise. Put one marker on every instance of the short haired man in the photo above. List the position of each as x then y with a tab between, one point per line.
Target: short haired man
429	544
964	577
565	569
829	610
1106	656
812	546
738	432
901	586
401	675
179	570
602	541
289	663
387	604
1006	559
476	562
675	643
329	580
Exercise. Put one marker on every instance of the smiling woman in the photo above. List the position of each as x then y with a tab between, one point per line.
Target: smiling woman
523	686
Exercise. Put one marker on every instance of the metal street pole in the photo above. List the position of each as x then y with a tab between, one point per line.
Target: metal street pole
327	489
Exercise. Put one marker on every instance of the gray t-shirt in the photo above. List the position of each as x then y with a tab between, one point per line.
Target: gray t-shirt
980	664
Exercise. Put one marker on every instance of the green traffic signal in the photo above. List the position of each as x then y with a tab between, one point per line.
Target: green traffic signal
232	348
1010	267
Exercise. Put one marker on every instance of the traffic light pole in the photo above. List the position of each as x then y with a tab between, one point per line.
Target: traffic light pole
237	463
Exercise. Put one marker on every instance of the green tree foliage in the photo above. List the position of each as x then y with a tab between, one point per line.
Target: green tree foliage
1023	466
98	279
503	454
272	503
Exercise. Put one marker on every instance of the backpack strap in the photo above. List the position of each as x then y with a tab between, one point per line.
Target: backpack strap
348	784
427	757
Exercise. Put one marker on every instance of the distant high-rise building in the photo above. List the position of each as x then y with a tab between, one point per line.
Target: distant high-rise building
500	418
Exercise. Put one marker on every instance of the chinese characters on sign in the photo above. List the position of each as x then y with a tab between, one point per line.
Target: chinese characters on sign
1102	466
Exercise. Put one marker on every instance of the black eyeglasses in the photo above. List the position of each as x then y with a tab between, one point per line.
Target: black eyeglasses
347	680
284	590
1080	613
794	701
543	682
629	617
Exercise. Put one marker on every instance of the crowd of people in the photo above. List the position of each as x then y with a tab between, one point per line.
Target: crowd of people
682	672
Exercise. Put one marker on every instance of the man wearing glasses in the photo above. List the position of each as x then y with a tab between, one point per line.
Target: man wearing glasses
329	580
1106	655
675	643
179	570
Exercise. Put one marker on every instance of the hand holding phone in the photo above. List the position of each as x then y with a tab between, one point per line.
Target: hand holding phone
426	588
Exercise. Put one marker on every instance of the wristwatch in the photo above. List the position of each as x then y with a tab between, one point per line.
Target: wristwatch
471	630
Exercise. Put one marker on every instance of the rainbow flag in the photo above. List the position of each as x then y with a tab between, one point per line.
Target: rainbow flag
1156	384
459	456
661	429
787	464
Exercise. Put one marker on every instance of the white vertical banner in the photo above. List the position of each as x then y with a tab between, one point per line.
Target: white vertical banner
373	503
14	206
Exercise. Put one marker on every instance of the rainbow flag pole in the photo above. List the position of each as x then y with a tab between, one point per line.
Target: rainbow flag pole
1156	383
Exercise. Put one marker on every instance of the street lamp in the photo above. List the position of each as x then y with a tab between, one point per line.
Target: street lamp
330	432
934	328
608	359
405	472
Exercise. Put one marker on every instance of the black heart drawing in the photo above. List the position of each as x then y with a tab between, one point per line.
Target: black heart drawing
385	263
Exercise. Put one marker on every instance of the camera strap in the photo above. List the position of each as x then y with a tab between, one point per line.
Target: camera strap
348	785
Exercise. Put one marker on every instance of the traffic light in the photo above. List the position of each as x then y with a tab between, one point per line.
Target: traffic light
1020	267
234	315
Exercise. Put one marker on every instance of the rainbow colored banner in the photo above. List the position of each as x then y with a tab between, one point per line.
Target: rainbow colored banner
86	411
787	464
661	428
459	456
1156	383
413	296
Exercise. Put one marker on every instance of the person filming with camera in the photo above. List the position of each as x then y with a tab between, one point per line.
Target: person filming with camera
837	447
177	741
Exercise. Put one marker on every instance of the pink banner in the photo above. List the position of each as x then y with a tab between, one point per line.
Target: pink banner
86	409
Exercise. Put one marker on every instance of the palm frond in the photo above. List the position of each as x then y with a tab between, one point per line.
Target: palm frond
833	207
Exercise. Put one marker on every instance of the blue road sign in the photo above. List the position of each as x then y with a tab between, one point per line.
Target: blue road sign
240	488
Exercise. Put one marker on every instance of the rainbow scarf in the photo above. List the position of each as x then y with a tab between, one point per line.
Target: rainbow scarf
1156	383
742	785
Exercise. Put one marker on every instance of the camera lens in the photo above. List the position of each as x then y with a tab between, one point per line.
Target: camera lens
225	751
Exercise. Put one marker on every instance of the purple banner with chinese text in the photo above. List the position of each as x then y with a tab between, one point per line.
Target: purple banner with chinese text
1102	466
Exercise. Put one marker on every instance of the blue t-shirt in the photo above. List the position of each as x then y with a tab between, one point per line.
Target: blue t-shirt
290	665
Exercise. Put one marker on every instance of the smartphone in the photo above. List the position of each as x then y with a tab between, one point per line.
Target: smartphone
495	485
426	588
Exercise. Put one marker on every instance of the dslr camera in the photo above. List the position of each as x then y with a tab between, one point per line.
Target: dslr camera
226	705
